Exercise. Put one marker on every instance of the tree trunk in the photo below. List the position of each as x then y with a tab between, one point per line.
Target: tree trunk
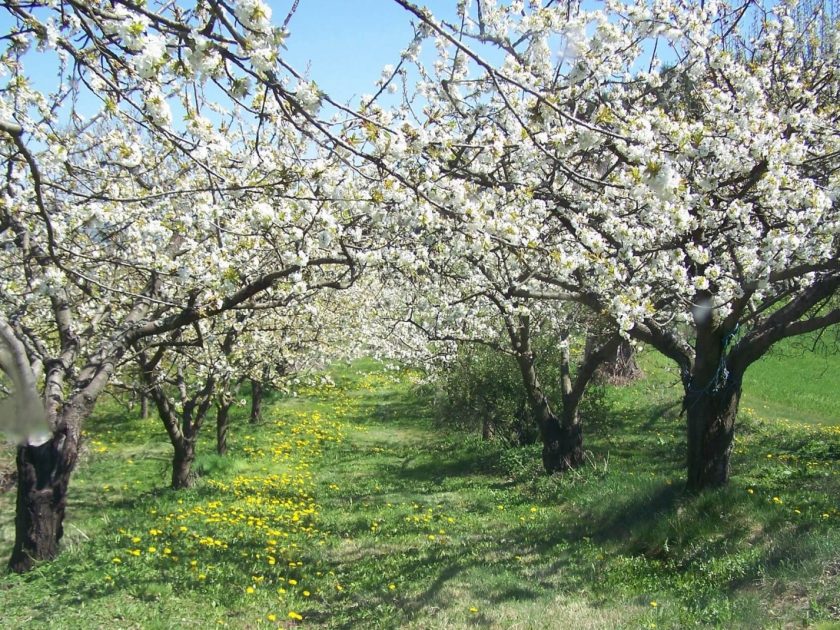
256	401
182	465
222	424
43	474
562	442
711	427
562	445
144	406
620	367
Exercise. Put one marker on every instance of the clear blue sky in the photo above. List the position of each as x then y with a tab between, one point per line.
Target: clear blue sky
343	43
346	43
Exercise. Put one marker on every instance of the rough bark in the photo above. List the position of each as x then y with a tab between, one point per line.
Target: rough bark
711	428
620	367
182	465
256	401
144	406
562	445
222	425
43	474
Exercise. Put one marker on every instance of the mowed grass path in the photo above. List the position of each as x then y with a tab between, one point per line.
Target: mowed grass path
350	508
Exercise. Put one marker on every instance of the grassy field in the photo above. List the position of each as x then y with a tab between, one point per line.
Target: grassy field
350	508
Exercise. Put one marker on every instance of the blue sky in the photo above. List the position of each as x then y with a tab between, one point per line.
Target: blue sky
346	43
341	44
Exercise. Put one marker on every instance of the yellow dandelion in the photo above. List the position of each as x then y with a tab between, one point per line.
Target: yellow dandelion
250	590
654	604
271	617
295	616
473	609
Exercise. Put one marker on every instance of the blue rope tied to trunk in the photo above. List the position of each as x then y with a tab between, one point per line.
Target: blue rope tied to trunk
720	380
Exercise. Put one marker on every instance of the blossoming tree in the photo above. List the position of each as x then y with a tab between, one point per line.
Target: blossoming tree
687	192
120	222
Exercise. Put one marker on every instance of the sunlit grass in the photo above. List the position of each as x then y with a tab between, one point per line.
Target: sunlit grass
349	507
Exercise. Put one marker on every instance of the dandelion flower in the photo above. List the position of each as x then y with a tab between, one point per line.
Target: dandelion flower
295	616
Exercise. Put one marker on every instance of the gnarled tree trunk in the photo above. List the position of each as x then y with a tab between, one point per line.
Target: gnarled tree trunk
562	444
43	476
182	462
620	367
562	441
711	428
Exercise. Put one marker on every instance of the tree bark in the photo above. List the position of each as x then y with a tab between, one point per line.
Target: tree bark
620	367
711	427
562	442
182	465
256	401
43	474
144	406
222	425
562	445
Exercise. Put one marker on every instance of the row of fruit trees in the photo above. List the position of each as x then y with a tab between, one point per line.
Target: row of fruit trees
182	210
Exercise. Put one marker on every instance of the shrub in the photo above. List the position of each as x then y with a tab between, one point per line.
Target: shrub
481	390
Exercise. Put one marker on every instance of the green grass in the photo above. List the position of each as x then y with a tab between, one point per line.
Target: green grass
804	386
385	519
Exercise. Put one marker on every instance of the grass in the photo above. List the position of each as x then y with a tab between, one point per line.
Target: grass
804	378
350	507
